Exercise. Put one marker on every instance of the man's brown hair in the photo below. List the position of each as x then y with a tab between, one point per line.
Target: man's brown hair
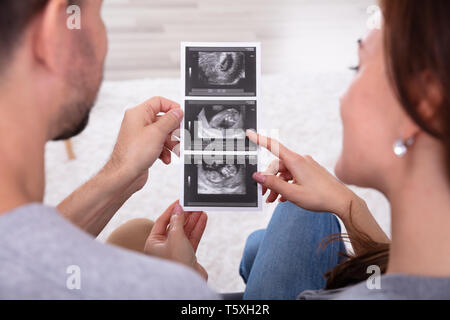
15	15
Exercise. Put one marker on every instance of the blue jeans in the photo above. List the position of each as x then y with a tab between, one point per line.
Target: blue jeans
285	259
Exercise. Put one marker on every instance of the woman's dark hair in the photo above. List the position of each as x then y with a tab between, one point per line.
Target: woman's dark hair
417	49
417	45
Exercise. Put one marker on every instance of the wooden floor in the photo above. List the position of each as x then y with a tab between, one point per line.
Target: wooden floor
145	34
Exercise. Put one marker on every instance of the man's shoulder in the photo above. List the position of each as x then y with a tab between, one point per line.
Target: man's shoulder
42	253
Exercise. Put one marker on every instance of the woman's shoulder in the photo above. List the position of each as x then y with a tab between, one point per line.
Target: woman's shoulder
388	287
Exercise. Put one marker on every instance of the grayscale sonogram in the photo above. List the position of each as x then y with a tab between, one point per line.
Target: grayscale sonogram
221	68
214	71
221	179
221	125
221	121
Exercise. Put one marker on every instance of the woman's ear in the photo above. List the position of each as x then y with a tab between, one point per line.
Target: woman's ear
430	101
427	96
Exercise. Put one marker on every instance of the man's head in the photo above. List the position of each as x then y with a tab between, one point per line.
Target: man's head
66	64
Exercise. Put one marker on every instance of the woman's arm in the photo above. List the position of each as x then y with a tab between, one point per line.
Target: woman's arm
360	223
303	181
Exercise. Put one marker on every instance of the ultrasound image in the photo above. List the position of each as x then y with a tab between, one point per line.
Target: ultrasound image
227	179
218	121
219	125
221	68
220	181
221	71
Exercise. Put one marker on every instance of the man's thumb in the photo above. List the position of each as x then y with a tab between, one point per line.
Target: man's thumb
169	122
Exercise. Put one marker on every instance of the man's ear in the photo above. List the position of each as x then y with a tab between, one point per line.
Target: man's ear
51	36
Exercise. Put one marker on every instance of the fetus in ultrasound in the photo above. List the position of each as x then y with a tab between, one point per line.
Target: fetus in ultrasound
221	179
221	68
219	122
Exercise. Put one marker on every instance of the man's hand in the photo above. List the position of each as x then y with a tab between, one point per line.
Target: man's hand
176	235
145	136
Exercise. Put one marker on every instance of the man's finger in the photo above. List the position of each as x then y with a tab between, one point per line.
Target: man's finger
166	156
176	150
163	221
171	142
167	124
275	147
176	134
156	105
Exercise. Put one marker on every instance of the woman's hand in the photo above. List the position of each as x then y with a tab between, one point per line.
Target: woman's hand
301	180
144	137
176	235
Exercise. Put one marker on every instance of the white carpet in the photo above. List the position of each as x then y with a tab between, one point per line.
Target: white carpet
304	109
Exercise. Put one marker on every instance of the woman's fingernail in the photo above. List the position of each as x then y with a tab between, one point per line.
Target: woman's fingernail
177	210
178	113
260	178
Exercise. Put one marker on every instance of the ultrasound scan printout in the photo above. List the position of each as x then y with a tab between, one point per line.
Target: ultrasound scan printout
220	125
220	86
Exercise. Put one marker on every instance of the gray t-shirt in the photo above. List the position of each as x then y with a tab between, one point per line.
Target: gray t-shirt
393	287
43	256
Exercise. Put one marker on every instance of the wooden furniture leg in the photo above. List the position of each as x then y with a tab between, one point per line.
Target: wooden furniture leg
69	150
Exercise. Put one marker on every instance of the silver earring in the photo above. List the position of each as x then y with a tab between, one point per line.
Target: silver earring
401	147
